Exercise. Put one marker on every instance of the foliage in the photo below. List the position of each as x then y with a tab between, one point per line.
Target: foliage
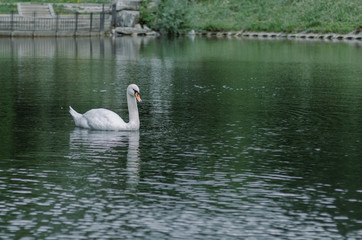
7	8
147	13
172	16
169	17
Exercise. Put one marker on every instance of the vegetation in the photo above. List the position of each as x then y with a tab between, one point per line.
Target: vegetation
290	16
167	16
322	16
7	8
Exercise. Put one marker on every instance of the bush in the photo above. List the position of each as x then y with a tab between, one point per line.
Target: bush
148	13
169	17
172	16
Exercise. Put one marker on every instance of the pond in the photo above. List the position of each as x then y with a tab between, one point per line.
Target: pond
239	139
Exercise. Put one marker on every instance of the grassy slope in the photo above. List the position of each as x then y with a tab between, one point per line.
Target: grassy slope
7	8
322	16
340	16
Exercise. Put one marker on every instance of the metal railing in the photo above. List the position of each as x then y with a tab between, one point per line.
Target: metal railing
93	22
57	1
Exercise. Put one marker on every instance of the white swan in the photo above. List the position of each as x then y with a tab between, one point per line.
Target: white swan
104	119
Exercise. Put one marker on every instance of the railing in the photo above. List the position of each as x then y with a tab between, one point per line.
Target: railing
77	24
57	1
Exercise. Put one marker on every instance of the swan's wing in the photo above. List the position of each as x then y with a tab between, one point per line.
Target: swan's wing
78	118
104	119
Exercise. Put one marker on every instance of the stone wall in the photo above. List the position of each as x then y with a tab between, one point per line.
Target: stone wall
127	13
127	18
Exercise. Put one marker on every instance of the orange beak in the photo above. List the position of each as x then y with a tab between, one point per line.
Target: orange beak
138	97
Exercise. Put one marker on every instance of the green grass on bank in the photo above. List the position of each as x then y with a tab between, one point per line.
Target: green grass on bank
7	8
290	16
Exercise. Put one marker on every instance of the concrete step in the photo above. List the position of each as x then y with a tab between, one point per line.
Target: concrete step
40	10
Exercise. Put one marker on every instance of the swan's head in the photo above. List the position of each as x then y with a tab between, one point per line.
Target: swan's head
134	91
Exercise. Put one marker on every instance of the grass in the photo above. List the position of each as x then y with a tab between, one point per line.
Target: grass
7	8
290	16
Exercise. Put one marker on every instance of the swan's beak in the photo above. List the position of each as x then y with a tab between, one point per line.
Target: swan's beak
138	97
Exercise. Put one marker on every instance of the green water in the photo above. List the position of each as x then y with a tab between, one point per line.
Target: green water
239	139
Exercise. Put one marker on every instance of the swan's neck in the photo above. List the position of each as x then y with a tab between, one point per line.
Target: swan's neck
134	120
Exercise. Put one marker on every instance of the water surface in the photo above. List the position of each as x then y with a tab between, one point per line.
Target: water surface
238	139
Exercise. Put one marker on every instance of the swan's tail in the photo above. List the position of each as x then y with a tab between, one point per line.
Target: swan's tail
74	113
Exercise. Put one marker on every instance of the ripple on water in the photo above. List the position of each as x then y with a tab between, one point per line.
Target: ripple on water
260	149
198	202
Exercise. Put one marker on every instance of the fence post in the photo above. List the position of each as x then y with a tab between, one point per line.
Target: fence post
114	15
12	21
34	23
101	22
91	22
76	23
56	23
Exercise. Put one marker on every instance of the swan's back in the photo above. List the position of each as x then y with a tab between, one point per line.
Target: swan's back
104	119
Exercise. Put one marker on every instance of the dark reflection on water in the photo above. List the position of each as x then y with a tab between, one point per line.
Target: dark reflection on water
238	139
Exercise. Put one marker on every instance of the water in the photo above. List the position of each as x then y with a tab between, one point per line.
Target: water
239	139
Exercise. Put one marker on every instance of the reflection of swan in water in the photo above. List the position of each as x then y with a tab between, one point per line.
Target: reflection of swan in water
133	158
100	145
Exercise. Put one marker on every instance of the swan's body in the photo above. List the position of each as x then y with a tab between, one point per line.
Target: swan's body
104	119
